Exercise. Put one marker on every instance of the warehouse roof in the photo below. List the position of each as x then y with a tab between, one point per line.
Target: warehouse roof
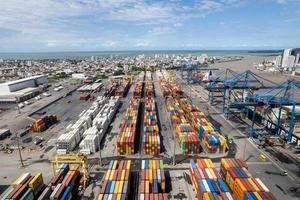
22	80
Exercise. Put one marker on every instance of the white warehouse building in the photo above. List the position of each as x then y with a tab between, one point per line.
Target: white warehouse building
22	89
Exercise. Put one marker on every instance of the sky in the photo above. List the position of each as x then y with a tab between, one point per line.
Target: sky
109	25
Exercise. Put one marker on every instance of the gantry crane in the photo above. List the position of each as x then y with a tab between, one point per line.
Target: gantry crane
239	88
192	69
272	101
217	87
79	159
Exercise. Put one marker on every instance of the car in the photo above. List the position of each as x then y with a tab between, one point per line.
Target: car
21	105
46	94
38	140
27	102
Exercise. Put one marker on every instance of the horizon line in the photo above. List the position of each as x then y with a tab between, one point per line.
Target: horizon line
144	50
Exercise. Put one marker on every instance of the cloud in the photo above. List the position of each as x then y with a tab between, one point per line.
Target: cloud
287	1
178	24
112	44
208	6
159	30
142	44
67	24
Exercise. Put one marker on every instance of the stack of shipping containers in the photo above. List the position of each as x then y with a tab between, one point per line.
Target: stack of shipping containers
123	88
151	138
212	141
241	183
207	182
138	89
166	90
126	138
116	181
153	181
64	185
185	133
44	123
24	187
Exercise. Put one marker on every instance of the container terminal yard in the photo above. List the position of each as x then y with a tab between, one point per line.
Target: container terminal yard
181	133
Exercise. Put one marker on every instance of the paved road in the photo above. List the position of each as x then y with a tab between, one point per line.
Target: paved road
167	130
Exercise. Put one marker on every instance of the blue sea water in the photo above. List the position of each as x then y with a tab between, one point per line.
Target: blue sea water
88	54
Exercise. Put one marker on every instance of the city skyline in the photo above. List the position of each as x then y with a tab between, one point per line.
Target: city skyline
110	25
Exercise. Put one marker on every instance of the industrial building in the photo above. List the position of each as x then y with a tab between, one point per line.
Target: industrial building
22	89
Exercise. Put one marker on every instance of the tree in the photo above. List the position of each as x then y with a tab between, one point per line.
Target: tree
118	72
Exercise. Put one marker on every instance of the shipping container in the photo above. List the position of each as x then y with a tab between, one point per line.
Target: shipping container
45	194
207	181
6	193
152	179
28	195
116	180
37	183
150	134
126	137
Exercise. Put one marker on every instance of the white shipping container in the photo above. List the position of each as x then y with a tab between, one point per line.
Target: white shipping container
85	151
262	185
55	191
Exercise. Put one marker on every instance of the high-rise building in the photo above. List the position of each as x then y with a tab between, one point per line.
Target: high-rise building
288	60
296	53
278	61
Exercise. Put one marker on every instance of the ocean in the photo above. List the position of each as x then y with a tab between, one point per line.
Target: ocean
88	54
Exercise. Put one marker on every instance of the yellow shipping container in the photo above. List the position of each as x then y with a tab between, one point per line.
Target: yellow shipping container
150	175
100	196
115	164
224	163
207	163
230	181
15	183
150	164
257	196
254	186
239	190
128	164
36	182
206	196
211	163
116	187
107	175
111	175
120	189
146	187
119	196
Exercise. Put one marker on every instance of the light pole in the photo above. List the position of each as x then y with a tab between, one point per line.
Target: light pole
17	102
174	160
100	156
244	152
20	154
